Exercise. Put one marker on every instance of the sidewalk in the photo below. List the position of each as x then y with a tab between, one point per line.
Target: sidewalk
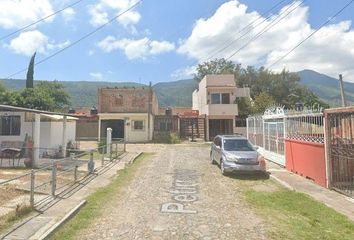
55	210
332	199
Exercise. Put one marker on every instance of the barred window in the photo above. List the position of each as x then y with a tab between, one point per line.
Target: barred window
10	125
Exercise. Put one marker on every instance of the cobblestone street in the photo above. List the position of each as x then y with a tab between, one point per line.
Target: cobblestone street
177	194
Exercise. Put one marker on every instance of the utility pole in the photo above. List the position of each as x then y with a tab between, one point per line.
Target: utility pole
149	110
344	102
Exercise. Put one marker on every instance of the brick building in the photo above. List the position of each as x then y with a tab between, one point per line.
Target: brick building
129	111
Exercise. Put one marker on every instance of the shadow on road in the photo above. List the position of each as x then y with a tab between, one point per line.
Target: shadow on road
249	176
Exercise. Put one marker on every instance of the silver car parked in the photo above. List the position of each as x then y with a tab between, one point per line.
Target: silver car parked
235	153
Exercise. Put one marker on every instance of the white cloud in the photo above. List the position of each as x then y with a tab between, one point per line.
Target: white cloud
96	75
16	14
135	49
106	9
29	42
68	14
330	51
184	73
91	52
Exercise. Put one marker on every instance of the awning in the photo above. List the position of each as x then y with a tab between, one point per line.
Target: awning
58	117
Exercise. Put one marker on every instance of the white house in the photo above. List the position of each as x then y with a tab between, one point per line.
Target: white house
15	125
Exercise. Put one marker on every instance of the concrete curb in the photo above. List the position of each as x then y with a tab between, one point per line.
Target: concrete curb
283	183
135	157
17	225
68	216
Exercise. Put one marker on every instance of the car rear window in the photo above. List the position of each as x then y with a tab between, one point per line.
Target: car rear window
237	145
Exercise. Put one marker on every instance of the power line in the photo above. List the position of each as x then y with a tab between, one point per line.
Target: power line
248	25
269	26
313	33
40	20
80	39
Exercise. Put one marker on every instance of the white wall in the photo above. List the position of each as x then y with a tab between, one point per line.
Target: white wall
131	135
50	132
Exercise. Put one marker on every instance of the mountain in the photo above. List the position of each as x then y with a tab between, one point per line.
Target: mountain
179	93
82	93
327	88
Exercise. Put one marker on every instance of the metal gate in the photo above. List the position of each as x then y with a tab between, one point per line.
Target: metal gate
255	130
192	128
340	149
274	139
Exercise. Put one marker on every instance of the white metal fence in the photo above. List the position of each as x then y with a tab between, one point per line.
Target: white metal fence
270	130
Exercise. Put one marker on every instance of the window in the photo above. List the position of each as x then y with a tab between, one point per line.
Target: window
220	98
165	125
240	122
138	125
10	125
225	98
215	98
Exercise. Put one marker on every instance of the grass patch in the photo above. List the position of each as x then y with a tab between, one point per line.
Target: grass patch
11	218
293	215
96	201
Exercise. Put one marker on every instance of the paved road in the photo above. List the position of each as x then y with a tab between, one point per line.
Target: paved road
178	194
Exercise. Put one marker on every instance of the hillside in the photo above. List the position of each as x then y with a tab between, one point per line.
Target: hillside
179	93
327	88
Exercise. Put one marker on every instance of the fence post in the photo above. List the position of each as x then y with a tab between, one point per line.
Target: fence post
110	152
75	173
102	156
54	178
116	151
32	189
125	147
91	163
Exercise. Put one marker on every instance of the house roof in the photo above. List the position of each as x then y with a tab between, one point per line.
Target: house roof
58	117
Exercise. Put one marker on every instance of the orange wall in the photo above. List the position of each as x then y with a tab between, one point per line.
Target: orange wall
306	159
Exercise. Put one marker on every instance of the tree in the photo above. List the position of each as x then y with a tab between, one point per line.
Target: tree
262	102
56	91
35	99
217	66
30	72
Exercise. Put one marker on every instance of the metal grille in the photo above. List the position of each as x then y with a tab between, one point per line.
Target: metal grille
255	130
274	135
340	143
305	127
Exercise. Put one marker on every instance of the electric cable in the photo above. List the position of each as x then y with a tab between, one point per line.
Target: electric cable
80	39
40	20
313	33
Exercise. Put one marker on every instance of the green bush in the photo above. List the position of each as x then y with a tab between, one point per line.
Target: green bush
166	137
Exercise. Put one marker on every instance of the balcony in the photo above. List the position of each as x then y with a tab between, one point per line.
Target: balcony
223	109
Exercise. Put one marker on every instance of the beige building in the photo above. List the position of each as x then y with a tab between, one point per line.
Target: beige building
128	111
215	98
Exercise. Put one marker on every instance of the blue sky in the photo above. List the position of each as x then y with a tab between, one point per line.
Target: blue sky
163	40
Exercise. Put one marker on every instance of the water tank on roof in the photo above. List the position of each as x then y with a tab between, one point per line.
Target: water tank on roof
168	111
93	111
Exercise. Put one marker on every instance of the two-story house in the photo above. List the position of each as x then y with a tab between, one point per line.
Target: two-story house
215	98
129	111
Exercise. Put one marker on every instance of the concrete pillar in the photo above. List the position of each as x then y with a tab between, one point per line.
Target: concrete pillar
99	129
36	139
63	140
109	140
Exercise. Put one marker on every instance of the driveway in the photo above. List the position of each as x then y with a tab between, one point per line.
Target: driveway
177	194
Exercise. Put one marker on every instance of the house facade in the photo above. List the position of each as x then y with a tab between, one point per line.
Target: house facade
14	126
128	111
215	99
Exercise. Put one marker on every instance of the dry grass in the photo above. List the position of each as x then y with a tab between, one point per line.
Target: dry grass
8	193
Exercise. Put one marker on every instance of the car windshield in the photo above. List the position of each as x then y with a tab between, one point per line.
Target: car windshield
237	145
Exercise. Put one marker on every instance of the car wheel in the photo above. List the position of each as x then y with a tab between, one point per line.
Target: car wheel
212	161
222	168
